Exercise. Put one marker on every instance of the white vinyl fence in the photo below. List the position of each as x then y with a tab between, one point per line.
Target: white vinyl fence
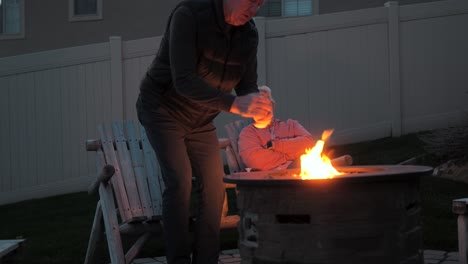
368	74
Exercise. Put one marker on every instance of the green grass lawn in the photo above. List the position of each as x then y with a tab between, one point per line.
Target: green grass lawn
57	228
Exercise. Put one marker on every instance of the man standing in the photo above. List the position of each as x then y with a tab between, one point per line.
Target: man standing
209	49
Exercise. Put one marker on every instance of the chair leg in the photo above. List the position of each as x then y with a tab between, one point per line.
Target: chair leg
225	205
96	233
463	239
460	208
136	248
111	225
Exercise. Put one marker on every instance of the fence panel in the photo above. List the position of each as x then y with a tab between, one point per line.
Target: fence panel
434	70
137	57
327	71
49	108
334	78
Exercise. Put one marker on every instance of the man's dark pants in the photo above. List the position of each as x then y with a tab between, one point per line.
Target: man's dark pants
180	151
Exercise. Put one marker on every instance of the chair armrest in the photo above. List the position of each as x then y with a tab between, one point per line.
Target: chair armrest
104	176
93	144
460	206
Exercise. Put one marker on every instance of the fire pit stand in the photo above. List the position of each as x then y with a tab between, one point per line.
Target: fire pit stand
369	214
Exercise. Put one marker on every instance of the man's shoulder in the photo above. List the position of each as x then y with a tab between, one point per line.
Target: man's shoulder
196	5
250	25
196	2
290	121
248	129
287	124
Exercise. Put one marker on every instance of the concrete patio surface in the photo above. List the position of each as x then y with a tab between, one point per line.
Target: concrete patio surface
232	257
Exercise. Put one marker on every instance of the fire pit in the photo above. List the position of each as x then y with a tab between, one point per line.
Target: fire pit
368	214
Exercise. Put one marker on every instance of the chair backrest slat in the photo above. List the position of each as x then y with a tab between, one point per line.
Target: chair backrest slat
107	141
127	170
153	172
233	130
231	159
139	168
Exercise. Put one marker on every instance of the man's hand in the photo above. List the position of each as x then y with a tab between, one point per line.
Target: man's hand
254	105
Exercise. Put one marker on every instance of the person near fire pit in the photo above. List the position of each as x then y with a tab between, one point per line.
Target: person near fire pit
269	144
208	49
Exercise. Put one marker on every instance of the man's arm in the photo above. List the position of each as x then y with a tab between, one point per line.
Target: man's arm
298	140
253	152
248	83
183	58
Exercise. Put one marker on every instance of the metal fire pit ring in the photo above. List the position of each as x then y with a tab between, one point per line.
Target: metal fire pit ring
366	173
369	214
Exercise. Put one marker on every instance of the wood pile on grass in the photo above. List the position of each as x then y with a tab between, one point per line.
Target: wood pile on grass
450	146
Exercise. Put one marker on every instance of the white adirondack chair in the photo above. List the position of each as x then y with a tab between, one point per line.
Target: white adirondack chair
130	186
232	150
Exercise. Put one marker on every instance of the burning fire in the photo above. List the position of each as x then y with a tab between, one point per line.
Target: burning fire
315	164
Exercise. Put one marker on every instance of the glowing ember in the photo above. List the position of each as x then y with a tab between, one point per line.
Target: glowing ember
315	164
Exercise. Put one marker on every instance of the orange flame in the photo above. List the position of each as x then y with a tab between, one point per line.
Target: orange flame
315	164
